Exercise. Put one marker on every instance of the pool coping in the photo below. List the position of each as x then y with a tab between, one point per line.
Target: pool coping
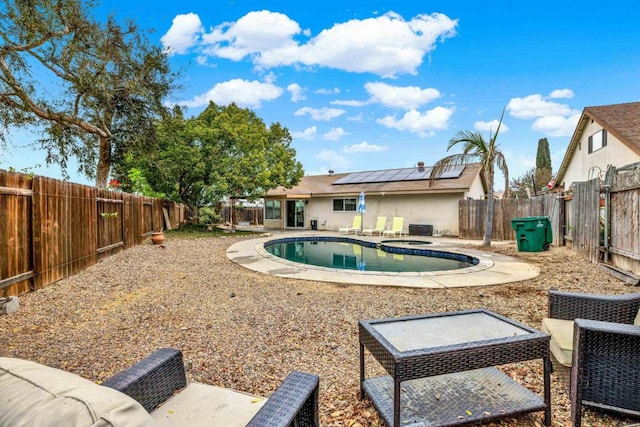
492	269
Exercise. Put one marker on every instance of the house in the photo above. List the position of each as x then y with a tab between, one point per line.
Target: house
607	135
329	202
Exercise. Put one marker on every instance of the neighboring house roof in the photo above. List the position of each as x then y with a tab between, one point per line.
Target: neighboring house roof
620	120
322	185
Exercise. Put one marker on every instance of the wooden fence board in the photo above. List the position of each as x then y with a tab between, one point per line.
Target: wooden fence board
472	214
50	229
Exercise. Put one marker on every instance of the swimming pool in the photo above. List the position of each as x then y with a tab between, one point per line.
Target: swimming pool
352	254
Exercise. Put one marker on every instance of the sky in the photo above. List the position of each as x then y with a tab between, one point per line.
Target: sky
386	84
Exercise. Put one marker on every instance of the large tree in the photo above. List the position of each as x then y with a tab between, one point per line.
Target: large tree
92	88
224	151
475	149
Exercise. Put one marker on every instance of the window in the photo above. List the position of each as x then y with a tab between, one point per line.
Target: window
272	209
597	140
344	205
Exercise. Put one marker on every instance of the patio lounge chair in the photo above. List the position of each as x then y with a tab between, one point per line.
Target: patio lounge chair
396	227
355	227
598	336
31	393
379	227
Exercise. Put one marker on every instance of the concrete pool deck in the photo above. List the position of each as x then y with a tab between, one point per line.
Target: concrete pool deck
493	268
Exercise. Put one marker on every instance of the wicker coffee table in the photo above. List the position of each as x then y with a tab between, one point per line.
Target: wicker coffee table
442	368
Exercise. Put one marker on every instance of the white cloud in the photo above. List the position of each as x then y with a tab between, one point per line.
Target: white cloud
324	114
296	91
308	134
184	33
562	93
386	45
257	34
335	134
490	126
245	93
336	161
422	124
533	106
556	125
364	147
551	118
332	91
347	103
407	98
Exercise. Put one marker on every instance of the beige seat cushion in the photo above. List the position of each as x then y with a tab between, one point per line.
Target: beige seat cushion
561	344
35	395
206	405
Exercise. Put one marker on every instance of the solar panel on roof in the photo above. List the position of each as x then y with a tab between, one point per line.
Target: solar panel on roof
387	175
394	175
452	172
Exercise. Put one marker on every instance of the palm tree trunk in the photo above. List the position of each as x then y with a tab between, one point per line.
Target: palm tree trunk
488	227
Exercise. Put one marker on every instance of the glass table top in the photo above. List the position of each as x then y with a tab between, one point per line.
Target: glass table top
430	332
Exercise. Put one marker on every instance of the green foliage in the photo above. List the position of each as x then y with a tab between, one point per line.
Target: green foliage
225	151
91	88
208	215
543	165
138	184
543	156
519	186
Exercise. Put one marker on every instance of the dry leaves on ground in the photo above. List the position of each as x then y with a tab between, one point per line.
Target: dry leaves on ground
246	330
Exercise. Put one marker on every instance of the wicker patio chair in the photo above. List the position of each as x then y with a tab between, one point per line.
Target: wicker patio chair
605	368
157	377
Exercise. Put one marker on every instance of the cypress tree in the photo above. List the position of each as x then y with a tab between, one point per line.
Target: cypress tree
543	164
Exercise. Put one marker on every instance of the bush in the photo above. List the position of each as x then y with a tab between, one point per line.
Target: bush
208	215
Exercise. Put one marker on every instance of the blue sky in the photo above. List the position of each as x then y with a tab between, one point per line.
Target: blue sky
381	85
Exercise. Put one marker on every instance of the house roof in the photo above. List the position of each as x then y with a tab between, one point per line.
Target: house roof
619	120
323	185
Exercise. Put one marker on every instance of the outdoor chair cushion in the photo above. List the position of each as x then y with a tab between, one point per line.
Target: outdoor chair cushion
561	332
561	344
207	405
35	395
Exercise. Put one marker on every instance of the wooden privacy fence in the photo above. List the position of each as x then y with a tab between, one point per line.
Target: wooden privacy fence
621	216
599	220
472	214
50	229
254	215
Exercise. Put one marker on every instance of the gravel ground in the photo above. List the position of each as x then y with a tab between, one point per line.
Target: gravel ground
246	330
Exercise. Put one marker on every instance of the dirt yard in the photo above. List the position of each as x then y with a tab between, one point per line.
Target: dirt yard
247	330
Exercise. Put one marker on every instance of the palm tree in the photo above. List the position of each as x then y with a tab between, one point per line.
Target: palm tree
476	150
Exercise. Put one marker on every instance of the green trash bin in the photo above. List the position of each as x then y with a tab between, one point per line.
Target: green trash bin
533	233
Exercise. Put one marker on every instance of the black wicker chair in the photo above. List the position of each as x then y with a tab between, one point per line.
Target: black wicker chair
154	379
605	371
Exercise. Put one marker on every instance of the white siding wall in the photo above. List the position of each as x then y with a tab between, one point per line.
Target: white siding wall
615	153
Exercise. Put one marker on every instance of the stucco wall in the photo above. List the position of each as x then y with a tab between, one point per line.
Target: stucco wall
440	211
615	153
476	191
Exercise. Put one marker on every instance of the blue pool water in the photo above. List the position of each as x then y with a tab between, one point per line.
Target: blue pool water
353	254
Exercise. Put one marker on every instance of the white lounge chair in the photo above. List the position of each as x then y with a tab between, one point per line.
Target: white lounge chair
396	227
379	228
355	227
